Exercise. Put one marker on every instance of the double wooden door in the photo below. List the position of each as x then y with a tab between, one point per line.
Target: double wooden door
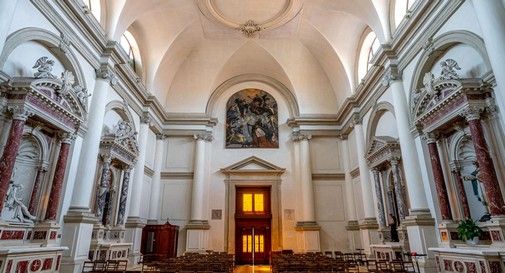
253	226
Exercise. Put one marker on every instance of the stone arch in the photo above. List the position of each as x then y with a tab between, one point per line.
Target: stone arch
122	109
59	46
292	103
377	112
439	47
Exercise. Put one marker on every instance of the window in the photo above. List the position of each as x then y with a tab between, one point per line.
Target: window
369	48
247	244
253	202
402	7
129	44
94	7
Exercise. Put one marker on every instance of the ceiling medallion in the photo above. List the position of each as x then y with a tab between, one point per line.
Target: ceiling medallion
249	28
290	9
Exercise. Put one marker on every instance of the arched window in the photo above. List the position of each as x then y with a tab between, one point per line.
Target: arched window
402	7
369	48
94	7
129	44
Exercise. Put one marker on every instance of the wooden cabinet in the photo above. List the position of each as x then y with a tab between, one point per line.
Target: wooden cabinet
159	242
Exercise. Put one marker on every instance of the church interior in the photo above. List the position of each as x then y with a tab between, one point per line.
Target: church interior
264	135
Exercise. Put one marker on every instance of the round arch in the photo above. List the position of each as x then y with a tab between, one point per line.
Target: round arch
294	110
60	47
121	108
377	112
440	46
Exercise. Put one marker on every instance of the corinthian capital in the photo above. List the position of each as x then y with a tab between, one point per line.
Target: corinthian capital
298	136
19	112
207	136
391	74
106	73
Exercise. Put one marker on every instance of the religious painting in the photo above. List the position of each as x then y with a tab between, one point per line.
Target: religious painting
252	120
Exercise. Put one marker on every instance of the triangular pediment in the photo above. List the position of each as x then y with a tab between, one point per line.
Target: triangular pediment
380	142
253	164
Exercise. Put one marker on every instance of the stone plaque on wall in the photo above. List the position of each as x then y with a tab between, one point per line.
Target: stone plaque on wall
289	214
217	214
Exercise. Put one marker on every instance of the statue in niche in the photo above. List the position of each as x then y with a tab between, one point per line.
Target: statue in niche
44	66
15	204
474	178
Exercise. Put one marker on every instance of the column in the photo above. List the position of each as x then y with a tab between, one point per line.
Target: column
34	201
368	226
85	177
8	159
417	196
419	224
103	187
123	199
380	202
438	176
198	226
308	229
135	222
59	177
487	173
352	221
154	205
79	220
364	174
306	179
399	190
456	173
7	9
491	17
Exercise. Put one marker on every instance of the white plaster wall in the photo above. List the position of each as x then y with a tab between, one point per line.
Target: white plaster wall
324	155
330	214
175	206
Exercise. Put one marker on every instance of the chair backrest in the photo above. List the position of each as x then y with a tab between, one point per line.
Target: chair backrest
88	266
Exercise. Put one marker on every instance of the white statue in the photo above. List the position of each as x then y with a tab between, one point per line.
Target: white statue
15	203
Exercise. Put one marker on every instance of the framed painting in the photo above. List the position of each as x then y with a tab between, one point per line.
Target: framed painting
252	120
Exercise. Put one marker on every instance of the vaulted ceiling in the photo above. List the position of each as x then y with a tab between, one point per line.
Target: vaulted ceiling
189	47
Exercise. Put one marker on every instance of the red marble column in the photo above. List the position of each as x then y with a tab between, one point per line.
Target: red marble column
35	192
59	176
461	191
438	175
487	174
9	154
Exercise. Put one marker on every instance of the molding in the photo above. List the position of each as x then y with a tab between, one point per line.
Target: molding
148	171
176	175
355	173
328	176
238	168
307	226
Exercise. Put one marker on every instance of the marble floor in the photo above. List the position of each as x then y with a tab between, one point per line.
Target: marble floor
249	269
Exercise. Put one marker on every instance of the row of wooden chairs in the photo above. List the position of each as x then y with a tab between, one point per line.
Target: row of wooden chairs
192	262
105	266
346	262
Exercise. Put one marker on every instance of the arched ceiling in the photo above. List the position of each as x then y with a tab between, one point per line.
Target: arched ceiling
189	47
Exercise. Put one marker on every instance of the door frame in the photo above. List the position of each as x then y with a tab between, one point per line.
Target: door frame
238	176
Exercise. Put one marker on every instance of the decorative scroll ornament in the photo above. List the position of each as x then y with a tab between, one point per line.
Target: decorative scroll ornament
249	28
44	66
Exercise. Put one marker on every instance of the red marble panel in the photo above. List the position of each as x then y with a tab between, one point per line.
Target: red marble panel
495	267
48	263
470	267
9	266
35	265
58	262
53	235
22	267
496	235
13	235
482	265
39	235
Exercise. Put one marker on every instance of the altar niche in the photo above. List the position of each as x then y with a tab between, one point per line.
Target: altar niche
118	154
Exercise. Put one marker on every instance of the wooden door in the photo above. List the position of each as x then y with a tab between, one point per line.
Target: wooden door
253	226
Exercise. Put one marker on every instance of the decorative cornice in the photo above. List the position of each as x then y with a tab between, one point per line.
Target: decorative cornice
176	175
328	176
